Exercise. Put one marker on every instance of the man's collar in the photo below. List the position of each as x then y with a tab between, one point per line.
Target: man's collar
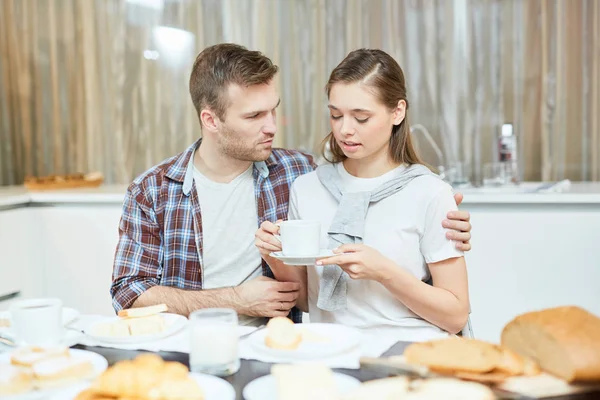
185	174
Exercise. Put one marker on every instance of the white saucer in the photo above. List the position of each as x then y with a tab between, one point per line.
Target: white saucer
265	387
302	260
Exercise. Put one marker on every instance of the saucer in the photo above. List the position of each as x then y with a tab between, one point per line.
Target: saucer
302	260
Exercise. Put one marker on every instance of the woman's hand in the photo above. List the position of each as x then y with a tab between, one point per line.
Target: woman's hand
360	262
264	239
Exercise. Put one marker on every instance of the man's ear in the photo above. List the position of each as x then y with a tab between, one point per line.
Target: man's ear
400	112
209	120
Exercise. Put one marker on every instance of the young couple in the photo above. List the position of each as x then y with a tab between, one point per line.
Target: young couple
188	233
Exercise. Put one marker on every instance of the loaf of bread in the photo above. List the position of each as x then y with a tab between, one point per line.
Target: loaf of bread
30	355
564	341
14	380
316	382
282	334
142	311
147	377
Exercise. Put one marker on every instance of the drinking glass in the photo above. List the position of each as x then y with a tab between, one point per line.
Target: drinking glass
214	341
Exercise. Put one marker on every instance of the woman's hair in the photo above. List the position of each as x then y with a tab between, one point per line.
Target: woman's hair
380	73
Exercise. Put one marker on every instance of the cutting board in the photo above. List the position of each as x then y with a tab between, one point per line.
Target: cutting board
539	386
545	385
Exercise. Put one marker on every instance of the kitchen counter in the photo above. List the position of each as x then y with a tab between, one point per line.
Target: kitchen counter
575	193
13	196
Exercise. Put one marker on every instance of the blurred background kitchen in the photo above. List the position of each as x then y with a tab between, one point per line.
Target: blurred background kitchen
504	102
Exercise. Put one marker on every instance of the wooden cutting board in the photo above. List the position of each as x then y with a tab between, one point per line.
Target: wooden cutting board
545	385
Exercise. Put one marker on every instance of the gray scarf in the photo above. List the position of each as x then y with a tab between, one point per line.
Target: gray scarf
349	224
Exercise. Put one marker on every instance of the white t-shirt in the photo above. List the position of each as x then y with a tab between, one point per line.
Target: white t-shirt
405	227
229	222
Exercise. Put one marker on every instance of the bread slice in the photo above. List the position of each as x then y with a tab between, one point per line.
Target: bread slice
448	389
381	389
60	371
565	341
282	334
28	356
317	382
454	354
14	380
130	327
142	311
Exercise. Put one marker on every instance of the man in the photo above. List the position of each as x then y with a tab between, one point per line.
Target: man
186	236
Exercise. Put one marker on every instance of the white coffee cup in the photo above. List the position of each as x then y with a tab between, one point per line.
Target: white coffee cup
300	238
37	321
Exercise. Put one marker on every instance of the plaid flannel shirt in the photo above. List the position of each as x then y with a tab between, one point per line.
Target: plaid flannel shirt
160	232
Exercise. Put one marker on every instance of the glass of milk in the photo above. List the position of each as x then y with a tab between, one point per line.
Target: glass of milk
214	341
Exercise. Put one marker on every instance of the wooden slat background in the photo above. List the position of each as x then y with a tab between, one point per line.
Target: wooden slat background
77	94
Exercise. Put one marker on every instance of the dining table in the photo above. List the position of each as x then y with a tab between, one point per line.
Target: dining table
252	369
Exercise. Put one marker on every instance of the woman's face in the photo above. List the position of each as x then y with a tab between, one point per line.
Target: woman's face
360	123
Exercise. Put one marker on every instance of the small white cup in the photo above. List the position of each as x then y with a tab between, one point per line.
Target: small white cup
37	321
300	238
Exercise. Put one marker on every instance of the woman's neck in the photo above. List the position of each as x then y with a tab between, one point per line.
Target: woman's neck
371	166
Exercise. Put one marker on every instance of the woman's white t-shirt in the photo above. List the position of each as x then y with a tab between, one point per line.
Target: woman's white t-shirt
405	227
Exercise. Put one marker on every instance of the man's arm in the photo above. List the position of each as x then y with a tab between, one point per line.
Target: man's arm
138	266
262	297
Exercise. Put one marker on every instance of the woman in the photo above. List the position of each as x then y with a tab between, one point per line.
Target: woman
381	210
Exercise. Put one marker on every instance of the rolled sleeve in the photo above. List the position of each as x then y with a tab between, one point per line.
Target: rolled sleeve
137	265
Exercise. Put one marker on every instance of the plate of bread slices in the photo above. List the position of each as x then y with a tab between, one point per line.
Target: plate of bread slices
37	372
299	382
149	377
282	338
137	325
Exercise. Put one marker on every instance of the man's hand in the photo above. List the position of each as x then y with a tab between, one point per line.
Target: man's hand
266	297
458	222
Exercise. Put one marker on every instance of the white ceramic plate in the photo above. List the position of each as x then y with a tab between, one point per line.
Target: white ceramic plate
68	315
214	389
173	324
335	339
100	364
295	260
265	387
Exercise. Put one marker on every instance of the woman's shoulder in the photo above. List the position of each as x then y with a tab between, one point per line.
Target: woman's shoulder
430	186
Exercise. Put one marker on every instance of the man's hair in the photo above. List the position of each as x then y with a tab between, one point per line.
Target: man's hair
218	66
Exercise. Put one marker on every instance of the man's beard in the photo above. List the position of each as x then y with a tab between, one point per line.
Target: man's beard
231	146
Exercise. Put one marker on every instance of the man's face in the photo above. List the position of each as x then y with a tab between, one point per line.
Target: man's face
248	126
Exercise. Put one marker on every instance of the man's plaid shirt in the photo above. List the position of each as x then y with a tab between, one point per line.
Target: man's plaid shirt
160	233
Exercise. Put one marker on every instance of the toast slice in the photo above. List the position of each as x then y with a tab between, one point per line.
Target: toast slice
14	380
28	356
142	311
455	354
317	382
60	371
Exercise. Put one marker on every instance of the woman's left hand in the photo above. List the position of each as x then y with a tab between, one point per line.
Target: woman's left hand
359	261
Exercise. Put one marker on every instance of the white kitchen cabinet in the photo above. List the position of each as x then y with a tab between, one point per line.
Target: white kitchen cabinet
531	256
78	244
19	265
